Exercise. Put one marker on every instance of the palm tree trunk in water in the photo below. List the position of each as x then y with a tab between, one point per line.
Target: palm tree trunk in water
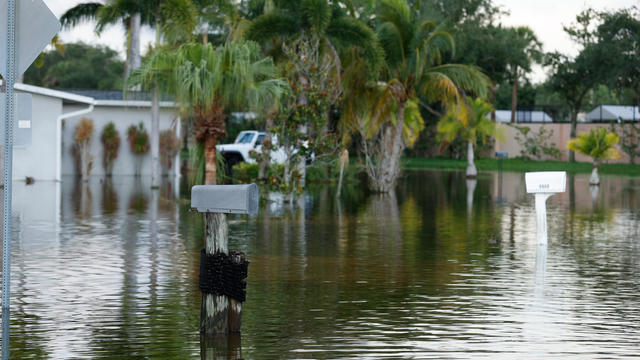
210	160
393	145
265	161
572	135
472	172
155	139
343	161
514	96
155	127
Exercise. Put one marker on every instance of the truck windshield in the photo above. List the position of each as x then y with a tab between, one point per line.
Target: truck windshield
245	138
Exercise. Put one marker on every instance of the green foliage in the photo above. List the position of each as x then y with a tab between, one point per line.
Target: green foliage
111	144
80	67
169	146
629	141
597	144
469	121
245	173
535	145
138	139
196	165
521	165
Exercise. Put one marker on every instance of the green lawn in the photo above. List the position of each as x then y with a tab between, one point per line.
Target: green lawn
519	165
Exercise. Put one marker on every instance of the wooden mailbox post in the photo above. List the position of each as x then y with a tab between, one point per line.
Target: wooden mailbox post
220	314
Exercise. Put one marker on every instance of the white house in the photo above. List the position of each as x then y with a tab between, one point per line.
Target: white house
523	116
613	113
54	117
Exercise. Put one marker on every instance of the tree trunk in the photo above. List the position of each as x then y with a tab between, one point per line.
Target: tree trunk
389	162
514	96
265	160
594	179
572	134
133	60
472	172
210	160
343	161
155	139
155	126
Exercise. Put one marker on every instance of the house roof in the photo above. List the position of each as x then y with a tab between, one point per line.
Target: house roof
66	96
504	116
613	112
119	98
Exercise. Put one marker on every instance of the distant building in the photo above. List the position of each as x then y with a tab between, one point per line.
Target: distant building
523	116
55	115
606	113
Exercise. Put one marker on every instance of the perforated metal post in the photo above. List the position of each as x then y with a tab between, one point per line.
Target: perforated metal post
9	79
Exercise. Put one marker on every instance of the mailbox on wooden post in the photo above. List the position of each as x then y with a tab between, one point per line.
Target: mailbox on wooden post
222	272
543	185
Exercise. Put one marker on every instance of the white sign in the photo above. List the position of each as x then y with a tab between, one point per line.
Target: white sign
546	182
35	27
22	119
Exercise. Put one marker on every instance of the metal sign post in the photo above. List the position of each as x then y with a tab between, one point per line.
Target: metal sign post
10	78
30	26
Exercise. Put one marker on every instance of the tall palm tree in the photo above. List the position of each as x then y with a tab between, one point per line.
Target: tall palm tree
526	49
415	72
109	14
209	82
470	122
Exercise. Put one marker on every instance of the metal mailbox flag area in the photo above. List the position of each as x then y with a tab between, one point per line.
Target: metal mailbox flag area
26	27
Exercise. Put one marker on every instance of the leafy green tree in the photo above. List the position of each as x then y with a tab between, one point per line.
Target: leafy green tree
573	78
81	66
210	82
319	33
619	34
598	145
111	145
468	121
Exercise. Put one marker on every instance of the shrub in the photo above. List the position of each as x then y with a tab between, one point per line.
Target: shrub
138	139
111	144
535	145
82	146
169	147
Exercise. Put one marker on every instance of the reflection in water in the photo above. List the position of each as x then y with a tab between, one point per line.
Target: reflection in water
112	272
471	188
221	347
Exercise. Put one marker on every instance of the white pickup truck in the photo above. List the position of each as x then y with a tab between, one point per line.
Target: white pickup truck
247	141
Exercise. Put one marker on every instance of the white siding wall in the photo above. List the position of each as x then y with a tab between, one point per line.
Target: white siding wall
122	117
39	159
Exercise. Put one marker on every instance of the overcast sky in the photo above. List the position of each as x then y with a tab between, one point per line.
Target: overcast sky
545	17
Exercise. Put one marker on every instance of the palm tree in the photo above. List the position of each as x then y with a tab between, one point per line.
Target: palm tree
296	31
469	122
209	82
598	145
415	71
525	49
109	14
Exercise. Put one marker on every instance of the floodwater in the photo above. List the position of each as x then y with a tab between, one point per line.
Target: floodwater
444	268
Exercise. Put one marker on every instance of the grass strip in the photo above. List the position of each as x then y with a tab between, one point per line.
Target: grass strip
520	165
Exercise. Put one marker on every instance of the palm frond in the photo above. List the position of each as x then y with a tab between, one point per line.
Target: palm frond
80	13
274	24
318	14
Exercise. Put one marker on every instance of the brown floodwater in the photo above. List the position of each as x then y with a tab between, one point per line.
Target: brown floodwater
442	268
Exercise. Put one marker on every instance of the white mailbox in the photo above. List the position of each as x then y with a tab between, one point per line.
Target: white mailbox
546	182
230	199
543	185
